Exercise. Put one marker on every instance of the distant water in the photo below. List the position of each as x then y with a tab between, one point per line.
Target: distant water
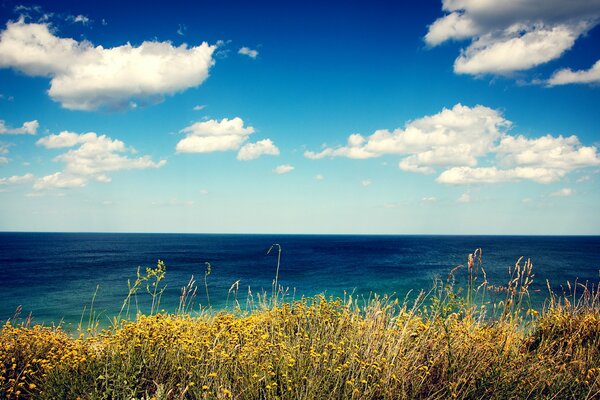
53	275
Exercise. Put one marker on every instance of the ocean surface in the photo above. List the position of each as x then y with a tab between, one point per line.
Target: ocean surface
54	275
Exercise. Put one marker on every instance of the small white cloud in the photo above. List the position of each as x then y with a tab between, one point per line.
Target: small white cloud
567	76
464	198
79	19
28	128
583	179
3	152
204	192
199	107
429	199
91	157
224	135
564	192
252	151
248	52
87	77
181	30
366	182
283	169
16	179
212	135
319	177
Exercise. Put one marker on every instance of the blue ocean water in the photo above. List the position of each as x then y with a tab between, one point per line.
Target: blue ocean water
54	275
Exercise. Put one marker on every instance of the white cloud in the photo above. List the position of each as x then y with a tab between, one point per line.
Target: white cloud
224	135
558	153
319	177
458	139
213	135
366	182
564	192
468	175
429	199
16	179
199	107
283	169
512	35
567	76
79	19
28	128
464	198
515	53
88	77
248	52
583	179
455	136
94	157
3	152
251	151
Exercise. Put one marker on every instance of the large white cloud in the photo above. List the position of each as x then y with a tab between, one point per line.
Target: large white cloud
512	35
88	77
224	135
28	128
456	136
91	157
567	76
459	139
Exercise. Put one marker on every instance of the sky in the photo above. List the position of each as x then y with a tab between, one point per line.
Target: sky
452	117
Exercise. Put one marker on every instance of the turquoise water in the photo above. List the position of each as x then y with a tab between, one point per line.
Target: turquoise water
54	275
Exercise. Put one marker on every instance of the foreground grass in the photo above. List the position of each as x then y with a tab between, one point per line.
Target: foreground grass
442	345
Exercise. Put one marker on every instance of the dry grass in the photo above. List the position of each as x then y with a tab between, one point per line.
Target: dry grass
442	345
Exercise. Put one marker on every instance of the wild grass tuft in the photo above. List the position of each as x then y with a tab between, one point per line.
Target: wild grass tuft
482	343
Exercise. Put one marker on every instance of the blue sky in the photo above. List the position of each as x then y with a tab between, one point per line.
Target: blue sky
353	117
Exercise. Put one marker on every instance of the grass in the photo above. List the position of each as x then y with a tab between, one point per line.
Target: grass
481	343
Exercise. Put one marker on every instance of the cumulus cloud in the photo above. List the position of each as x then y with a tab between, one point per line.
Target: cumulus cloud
212	135
16	179
366	182
91	157
455	136
252	151
28	128
319	177
512	35
564	192
224	135
567	76
248	52
459	139
87	77
283	169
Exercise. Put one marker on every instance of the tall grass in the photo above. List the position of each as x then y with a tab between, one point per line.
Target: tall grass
479	343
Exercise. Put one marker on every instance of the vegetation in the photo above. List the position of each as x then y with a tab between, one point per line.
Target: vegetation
446	343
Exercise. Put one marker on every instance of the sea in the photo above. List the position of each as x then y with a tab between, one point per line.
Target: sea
54	278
